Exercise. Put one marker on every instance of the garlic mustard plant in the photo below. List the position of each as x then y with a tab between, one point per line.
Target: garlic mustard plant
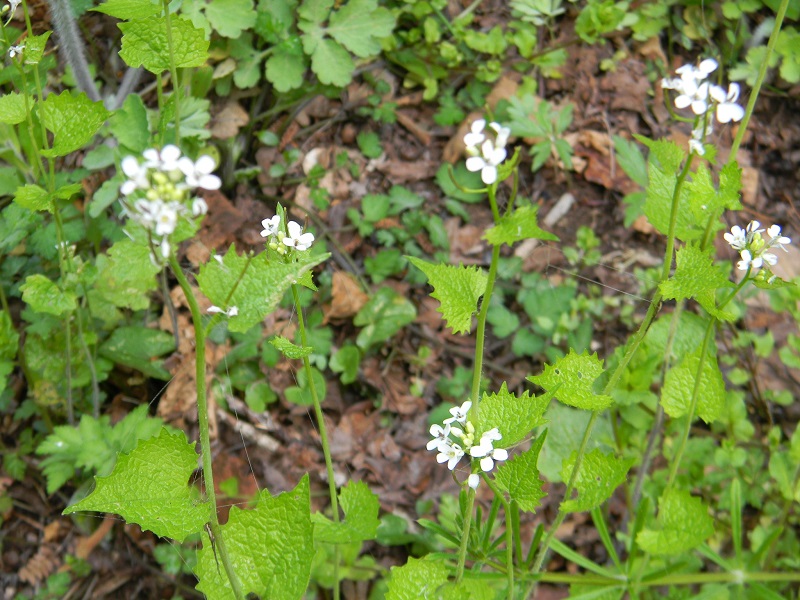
486	153
752	246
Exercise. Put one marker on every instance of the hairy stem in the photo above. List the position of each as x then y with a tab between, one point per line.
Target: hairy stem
70	46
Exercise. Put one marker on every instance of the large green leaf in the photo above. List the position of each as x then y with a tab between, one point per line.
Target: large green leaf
696	276
679	384
360	522
514	416
519	477
519	225
139	347
45	296
73	120
145	43
359	25
386	313
683	523
230	18
571	379
599	475
417	579
126	275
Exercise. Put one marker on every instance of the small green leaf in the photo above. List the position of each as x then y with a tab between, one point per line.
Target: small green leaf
359	25
332	64
519	225
149	487
230	18
519	477
74	120
515	416
458	288
386	313
315	11
9	338
271	546
12	108
33	197
139	347
417	579
676	394
290	350
126	275
600	474
34	48
361	521
683	523
571	380
145	43
253	285
286	67
631	159
346	361
44	296
130	126
129	9
368	142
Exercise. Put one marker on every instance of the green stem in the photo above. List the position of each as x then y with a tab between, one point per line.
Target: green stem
762	72
202	420
673	217
173	71
323	433
676	579
462	549
510	534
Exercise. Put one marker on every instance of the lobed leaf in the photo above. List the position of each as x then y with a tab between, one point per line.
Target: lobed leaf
515	416
599	475
696	276
683	523
359	25
286	67
457	288
149	487
230	18
290	350
571	379
360	522
33	197
271	547
45	296
519	225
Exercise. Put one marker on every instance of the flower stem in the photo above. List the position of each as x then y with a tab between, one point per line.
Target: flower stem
202	420
462	549
323	434
511	534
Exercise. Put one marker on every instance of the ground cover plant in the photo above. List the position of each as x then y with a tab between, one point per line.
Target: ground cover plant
399	299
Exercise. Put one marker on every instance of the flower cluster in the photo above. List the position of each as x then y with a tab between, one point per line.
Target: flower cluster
451	451
159	190
704	97
292	237
752	246
486	153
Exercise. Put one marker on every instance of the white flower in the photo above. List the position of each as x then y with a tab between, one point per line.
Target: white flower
727	109
502	135
693	95
272	226
441	435
492	435
475	137
199	207
488	160
450	453
473	480
167	219
137	176
459	413
297	239
13	4
166	160
776	239
736	238
231	312
488	453
199	174
165	247
15	50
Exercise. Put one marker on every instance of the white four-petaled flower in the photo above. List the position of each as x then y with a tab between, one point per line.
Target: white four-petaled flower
297	239
272	226
459	413
15	50
486	154
752	246
441	435
199	174
450	453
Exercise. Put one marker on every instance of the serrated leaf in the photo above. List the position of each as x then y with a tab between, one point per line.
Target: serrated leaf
360	522
631	159
519	225
676	395
230	18
74	120
683	523
571	379
139	348
34	48
290	350
130	126
359	25
286	67
315	11
457	288
332	64
126	275
271	546
44	296
658	205
664	152
194	117
258	284
129	9
386	313
600	474
705	200
519	477
515	416
144	43
696	276
33	197
12	108
149	487
416	579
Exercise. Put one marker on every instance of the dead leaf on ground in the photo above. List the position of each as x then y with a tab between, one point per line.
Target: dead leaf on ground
41	565
347	297
222	223
227	122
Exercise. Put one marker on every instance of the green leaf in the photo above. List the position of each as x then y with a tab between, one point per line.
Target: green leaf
33	197
519	225
129	124
74	120
9	338
631	159
230	18
126	275
782	469
139	347
386	313
286	67
149	487
359	25
696	276
44	296
676	395
144	43
417	579
332	64
34	48
12	108
271	546
519	477
683	523
290	350
315	11
514	416
346	361
571	379
254	285
704	198
361	521
194	117
130	9
457	288
600	474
